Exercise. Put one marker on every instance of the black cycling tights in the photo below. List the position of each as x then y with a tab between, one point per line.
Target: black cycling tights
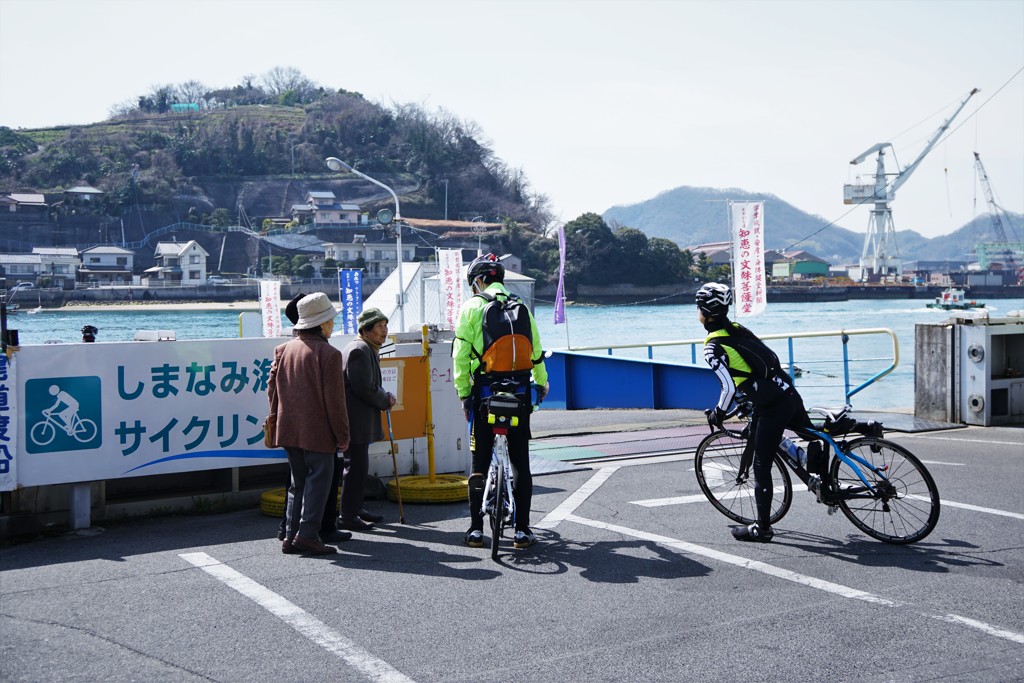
769	423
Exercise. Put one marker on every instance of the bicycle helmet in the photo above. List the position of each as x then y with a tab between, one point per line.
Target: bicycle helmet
714	299
487	266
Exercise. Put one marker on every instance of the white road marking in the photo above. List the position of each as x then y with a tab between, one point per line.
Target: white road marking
953	438
569	505
803	579
981	626
695	498
967	506
745	563
300	620
949	464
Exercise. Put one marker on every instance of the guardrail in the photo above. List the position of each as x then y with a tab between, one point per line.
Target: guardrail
806	365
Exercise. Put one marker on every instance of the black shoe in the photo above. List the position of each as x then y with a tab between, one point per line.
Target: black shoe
335	536
355	525
524	539
753	533
368	516
474	538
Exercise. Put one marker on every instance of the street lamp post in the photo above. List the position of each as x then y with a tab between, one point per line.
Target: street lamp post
479	230
445	181
337	165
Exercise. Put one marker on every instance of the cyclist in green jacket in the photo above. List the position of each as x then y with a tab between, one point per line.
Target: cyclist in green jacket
486	277
744	365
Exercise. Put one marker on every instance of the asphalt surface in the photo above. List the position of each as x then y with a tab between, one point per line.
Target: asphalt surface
623	586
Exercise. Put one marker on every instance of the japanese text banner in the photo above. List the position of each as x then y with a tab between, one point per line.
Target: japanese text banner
350	294
451	285
270	307
748	274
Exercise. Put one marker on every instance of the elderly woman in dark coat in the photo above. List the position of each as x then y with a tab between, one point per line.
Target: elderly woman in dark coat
306	389
366	398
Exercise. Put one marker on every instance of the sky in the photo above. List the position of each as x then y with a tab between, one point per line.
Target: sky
600	103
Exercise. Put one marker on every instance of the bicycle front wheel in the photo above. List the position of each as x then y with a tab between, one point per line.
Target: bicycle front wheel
903	505
717	466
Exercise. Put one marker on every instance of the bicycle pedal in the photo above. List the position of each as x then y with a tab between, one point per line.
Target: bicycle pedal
832	509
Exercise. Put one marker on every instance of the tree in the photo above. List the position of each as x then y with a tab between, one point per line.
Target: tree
330	268
591	251
280	80
221	218
190	92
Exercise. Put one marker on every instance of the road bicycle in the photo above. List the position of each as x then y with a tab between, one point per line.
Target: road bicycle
43	432
504	408
881	487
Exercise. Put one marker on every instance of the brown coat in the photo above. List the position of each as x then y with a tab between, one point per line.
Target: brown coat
306	389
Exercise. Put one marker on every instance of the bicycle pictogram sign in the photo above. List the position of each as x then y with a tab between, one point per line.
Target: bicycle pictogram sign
62	414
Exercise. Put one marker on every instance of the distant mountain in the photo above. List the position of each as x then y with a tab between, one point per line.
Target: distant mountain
697	215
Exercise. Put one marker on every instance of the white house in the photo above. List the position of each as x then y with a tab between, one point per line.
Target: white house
106	265
178	263
380	258
326	210
19	268
59	264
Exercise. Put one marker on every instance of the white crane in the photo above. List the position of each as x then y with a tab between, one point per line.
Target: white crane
880	240
1000	247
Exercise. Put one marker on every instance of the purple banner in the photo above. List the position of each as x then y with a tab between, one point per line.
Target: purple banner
350	293
560	293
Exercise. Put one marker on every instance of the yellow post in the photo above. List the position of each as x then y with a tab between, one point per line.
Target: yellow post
430	412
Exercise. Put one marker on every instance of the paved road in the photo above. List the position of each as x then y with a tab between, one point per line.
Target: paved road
616	590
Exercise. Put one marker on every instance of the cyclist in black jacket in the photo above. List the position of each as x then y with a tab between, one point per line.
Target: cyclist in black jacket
745	365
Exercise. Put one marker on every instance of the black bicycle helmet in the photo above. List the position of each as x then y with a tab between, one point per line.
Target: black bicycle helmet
714	299
488	266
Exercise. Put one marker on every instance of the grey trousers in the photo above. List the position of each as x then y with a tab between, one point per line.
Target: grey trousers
307	494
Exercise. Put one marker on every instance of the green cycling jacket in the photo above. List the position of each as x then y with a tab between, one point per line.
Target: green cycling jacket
469	342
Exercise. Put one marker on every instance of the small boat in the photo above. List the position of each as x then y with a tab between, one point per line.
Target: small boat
954	299
35	310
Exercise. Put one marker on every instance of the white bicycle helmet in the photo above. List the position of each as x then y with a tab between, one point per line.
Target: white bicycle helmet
714	299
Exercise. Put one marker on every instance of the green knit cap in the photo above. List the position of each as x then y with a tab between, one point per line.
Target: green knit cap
370	317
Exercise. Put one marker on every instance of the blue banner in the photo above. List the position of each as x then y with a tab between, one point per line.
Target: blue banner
350	293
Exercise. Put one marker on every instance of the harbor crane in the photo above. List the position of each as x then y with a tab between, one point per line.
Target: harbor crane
880	255
1000	247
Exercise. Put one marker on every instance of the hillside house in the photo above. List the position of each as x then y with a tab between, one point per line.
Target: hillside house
106	265
82	194
324	210
58	266
20	202
177	264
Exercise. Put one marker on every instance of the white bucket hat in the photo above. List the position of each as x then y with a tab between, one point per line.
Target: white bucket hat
314	310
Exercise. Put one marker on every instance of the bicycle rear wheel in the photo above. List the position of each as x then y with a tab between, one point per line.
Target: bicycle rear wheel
717	466
904	506
500	507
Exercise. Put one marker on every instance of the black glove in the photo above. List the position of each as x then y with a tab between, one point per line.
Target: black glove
716	417
467	407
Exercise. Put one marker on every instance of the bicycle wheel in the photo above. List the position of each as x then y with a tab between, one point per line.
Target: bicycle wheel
43	433
904	506
717	466
500	503
85	430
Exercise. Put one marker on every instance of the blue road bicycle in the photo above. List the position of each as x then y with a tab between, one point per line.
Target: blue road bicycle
881	487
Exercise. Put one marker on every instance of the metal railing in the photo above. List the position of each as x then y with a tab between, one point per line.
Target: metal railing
697	346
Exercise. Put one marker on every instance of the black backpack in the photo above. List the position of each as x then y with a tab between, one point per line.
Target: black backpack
767	381
507	336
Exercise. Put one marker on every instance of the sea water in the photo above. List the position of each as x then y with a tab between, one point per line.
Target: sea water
821	381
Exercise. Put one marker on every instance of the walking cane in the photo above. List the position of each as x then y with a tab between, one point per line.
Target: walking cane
394	461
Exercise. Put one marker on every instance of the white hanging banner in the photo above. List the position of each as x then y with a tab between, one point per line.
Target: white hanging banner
749	280
450	261
270	307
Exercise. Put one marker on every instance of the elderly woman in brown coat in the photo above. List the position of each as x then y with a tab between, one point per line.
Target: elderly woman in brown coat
366	399
306	388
